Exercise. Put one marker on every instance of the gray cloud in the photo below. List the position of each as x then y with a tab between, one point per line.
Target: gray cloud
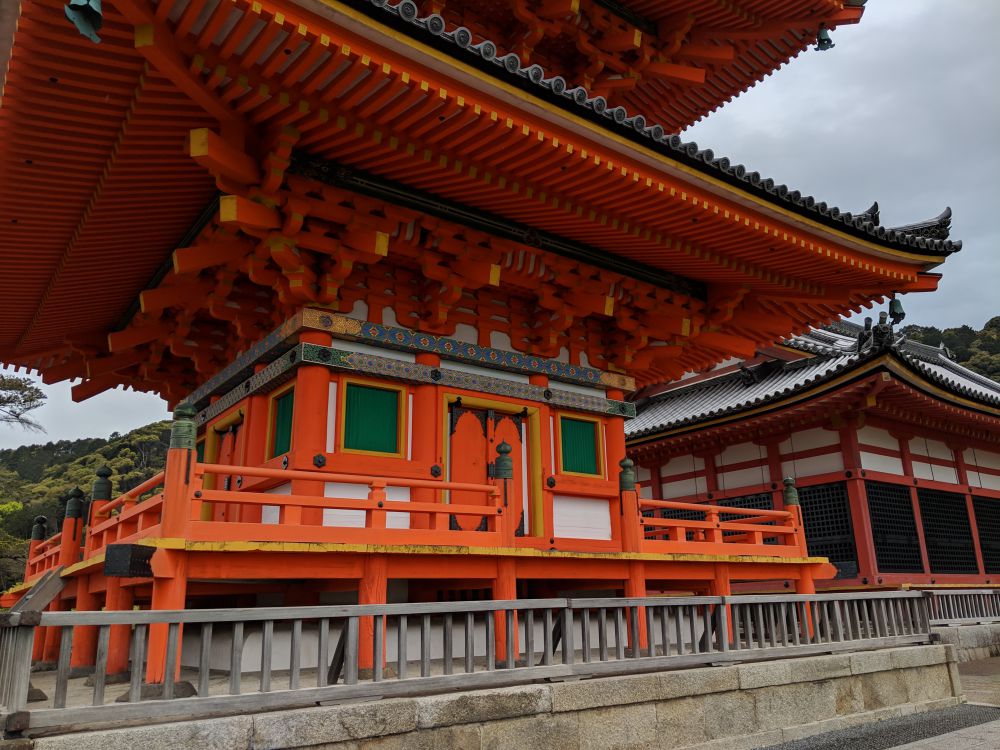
904	110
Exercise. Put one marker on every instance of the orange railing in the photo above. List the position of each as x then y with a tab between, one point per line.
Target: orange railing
188	509
746	534
44	557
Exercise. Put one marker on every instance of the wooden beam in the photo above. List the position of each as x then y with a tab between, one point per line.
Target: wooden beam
707	52
675	73
121	340
234	209
155	42
212	152
736	345
212	253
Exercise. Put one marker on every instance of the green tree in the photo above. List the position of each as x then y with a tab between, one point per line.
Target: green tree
18	396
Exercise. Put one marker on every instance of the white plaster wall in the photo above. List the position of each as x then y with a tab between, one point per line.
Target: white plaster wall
944	474
807	467
467	333
331	418
683	488
271	514
877	437
804	440
581	517
729	480
738	453
682	465
933	448
878	462
922	470
356	518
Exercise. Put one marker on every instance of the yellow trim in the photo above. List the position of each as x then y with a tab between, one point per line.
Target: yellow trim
401	415
535	499
429	549
272	397
599	447
577	124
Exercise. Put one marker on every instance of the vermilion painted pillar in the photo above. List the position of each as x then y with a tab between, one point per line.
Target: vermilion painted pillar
169	592
372	589
312	393
857	499
426	431
504	588
118	599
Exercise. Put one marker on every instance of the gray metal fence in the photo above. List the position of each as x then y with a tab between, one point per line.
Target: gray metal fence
963	606
236	660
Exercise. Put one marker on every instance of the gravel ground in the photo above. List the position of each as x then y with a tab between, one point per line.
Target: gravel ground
894	732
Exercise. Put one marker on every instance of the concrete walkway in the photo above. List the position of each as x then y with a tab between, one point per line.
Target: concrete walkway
981	737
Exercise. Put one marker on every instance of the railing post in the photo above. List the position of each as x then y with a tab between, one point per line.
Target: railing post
39	533
17	634
376	493
631	525
177	474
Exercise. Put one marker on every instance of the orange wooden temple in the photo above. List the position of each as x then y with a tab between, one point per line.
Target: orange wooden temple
398	268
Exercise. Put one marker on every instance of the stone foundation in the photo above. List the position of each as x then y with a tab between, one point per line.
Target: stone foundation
718	708
971	642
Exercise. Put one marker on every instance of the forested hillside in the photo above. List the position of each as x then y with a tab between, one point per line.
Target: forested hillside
35	480
977	350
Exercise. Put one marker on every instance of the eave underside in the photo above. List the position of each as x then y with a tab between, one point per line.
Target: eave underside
98	187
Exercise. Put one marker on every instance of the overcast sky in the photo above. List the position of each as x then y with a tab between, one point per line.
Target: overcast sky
904	110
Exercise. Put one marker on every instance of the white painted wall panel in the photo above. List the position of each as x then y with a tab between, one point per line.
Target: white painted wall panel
271	514
990	481
807	439
983	458
355	519
922	470
974	478
944	474
581	517
738	453
877	437
878	462
684	489
807	467
642	473
682	465
730	480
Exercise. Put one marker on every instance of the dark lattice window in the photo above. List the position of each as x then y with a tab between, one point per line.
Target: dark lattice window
988	520
947	532
826	513
894	531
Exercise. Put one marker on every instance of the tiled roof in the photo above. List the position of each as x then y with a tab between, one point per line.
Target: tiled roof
735	392
458	42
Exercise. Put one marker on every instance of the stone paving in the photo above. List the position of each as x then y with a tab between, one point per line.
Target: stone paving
973	726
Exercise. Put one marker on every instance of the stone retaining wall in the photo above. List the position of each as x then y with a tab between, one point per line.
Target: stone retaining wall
971	642
717	708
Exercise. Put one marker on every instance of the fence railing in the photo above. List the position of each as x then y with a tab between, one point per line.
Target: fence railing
668	523
963	606
239	660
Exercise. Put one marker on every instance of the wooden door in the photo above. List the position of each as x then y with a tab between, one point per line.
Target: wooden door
227	457
474	436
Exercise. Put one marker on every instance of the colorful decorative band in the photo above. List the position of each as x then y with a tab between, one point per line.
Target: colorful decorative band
280	340
407	340
282	369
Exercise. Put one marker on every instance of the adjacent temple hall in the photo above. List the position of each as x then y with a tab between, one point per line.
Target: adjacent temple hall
402	270
895	450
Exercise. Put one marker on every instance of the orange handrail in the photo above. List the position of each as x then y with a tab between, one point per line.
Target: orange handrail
133	494
323	476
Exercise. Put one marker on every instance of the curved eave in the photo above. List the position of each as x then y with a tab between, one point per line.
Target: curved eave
672	158
833	381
